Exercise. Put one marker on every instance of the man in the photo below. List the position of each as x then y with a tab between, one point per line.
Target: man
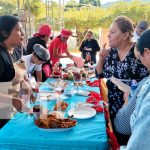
140	28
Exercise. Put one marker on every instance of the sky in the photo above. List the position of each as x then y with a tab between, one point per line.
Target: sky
106	1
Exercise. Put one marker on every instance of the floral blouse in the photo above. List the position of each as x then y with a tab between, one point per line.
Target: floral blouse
126	70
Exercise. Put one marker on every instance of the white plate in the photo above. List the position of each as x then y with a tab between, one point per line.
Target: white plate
82	112
84	104
56	129
83	93
46	96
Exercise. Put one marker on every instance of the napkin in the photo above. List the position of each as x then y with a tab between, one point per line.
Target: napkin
94	83
78	61
95	94
98	108
95	98
122	86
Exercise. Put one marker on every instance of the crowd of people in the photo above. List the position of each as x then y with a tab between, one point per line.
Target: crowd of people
127	59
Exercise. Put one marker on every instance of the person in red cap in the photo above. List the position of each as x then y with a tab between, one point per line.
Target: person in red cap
39	38
59	46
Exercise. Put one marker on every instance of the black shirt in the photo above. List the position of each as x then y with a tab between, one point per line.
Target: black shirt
7	72
32	42
93	44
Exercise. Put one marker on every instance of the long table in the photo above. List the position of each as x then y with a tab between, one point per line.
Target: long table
20	133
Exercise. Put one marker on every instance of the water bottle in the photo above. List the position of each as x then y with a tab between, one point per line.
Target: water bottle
133	84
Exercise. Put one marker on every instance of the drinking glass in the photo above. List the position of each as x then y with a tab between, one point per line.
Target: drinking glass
77	78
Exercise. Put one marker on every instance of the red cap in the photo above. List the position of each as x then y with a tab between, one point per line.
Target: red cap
44	30
66	33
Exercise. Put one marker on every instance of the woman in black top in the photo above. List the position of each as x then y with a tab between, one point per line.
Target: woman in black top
90	46
11	35
119	61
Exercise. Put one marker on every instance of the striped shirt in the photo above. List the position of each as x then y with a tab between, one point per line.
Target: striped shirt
140	121
122	119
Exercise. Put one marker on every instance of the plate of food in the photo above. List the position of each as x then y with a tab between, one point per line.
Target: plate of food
54	123
82	112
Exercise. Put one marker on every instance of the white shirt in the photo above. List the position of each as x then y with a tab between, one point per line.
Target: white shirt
135	37
30	67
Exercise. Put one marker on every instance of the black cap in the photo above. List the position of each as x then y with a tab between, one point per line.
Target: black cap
142	25
7	23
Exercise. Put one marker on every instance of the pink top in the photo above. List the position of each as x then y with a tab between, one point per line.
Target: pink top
57	44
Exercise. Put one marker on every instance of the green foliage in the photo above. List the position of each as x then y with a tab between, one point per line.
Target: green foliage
84	18
35	6
92	2
7	8
80	18
94	17
72	4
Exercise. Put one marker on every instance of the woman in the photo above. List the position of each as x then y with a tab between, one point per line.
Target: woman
140	118
89	46
11	35
34	61
59	46
119	61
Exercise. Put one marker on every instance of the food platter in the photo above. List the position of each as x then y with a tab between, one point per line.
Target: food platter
54	122
56	129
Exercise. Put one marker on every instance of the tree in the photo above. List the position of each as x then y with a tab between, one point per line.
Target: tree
72	4
35	6
92	2
7	8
